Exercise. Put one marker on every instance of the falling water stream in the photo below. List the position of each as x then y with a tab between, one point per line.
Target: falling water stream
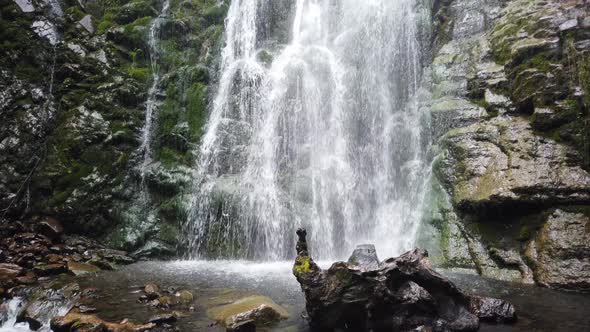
322	132
152	102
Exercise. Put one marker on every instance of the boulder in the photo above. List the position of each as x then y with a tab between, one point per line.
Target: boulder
402	293
50	227
252	310
560	252
79	269
365	257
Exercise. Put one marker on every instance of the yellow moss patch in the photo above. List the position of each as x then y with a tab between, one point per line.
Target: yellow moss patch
301	265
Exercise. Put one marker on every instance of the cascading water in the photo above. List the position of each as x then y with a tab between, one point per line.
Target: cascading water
323	132
152	101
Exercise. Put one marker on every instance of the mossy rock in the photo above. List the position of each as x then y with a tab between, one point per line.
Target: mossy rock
261	310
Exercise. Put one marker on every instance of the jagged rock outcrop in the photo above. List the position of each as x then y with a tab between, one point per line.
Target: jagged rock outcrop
510	112
502	162
400	293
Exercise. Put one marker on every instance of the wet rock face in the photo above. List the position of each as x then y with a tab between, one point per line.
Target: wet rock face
400	293
503	162
510	103
560	252
73	83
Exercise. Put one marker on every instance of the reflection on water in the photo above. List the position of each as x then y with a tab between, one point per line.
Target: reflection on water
539	309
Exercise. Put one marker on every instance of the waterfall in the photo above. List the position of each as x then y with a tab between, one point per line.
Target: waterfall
322	132
152	97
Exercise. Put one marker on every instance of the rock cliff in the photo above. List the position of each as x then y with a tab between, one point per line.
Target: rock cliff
510	100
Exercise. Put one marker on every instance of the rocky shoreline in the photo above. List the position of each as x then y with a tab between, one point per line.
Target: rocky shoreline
37	249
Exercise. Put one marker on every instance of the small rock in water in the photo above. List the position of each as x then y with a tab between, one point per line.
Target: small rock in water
86	309
365	257
185	297
78	269
152	291
164	318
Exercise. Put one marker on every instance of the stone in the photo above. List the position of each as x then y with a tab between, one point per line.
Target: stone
74	321
185	297
449	112
166	301
561	251
497	102
365	257
28	279
26	6
492	310
152	291
9	271
568	25
46	29
37	309
257	310
86	23
402	293
529	46
544	118
49	269
84	309
163	319
79	269
50	227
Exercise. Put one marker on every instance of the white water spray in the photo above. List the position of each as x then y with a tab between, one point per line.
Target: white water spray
327	136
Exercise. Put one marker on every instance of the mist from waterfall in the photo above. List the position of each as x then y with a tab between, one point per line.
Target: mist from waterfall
323	132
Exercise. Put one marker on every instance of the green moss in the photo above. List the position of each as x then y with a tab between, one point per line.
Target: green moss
196	108
302	266
103	26
141	74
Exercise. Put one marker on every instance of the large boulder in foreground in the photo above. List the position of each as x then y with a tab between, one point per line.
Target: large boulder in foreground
399	294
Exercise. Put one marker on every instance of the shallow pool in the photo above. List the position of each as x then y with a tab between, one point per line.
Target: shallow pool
539	309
